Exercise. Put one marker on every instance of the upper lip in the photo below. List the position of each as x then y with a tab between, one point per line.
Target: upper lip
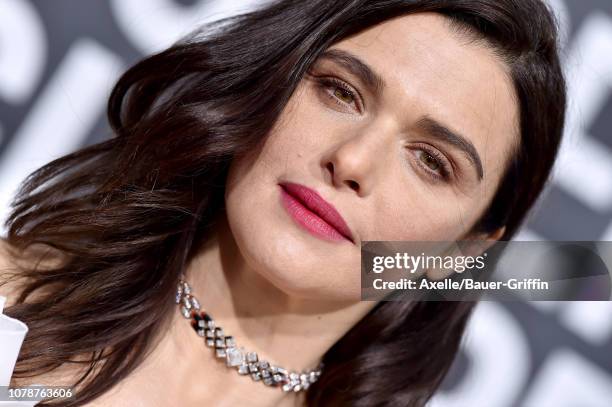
315	202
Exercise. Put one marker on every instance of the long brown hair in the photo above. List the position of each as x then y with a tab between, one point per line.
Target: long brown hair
127	213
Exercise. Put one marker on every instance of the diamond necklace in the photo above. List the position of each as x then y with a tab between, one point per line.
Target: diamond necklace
246	363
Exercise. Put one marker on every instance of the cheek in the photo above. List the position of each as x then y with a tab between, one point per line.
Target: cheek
421	217
273	247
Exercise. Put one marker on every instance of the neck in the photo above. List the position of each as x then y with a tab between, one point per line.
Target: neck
292	333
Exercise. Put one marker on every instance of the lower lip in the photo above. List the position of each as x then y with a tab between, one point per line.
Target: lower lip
309	220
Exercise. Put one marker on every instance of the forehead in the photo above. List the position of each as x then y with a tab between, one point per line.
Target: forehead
431	69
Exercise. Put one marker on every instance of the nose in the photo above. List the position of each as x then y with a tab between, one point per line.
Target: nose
357	161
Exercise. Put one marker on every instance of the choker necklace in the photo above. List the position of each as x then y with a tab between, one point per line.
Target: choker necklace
246	363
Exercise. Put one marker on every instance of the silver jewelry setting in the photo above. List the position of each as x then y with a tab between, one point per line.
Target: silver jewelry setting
224	346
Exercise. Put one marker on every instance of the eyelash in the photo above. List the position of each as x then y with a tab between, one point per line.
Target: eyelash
331	82
445	168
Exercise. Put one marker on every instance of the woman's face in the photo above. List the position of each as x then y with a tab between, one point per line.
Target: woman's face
415	154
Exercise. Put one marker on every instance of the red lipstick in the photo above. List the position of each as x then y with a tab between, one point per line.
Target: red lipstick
314	213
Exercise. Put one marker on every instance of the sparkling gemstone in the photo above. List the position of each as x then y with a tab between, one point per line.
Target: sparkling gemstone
218	332
305	385
293	376
268	381
220	343
287	387
229	341
210	333
313	377
186	312
297	388
186	288
177	298
220	353
303	377
265	373
253	367
210	342
201	323
263	364
256	376
186	302
243	369
277	378
235	357
252	357
195	303
201	332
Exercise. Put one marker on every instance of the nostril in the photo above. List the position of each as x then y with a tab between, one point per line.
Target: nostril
353	184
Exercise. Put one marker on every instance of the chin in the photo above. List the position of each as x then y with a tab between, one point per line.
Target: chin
298	264
313	288
317	278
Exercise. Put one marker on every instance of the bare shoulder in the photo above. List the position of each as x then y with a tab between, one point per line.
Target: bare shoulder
13	260
4	253
39	255
8	288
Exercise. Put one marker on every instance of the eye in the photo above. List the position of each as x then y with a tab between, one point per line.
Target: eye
340	92
433	163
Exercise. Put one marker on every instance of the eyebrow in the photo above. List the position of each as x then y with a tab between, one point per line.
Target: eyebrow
429	125
444	134
357	67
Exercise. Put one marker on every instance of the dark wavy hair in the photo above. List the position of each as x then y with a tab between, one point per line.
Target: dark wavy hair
125	215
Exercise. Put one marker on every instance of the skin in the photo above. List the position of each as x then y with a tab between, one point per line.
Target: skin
289	295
